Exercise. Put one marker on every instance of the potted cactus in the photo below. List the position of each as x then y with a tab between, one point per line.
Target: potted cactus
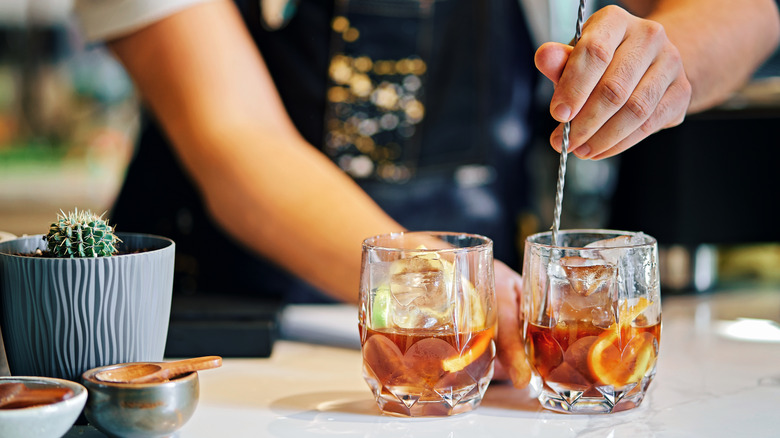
83	296
81	234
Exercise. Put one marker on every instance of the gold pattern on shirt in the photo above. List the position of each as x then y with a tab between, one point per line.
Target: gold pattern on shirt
371	98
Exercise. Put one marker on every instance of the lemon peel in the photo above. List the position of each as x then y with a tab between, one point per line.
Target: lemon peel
609	364
457	363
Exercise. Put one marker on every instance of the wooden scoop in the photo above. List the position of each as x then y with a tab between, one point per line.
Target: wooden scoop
18	395
153	372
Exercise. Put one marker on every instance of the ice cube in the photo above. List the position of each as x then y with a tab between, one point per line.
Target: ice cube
421	293
637	270
587	276
584	292
619	241
611	250
415	277
407	287
555	271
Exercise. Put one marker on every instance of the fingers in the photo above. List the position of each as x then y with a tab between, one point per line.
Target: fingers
667	114
659	101
511	351
624	97
649	108
623	81
589	60
551	58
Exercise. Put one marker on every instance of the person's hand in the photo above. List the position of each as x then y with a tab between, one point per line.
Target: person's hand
623	81
511	351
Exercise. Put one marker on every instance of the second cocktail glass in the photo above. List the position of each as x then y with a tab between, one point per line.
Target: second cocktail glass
427	321
592	318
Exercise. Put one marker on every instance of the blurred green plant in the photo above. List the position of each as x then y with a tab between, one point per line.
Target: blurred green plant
32	153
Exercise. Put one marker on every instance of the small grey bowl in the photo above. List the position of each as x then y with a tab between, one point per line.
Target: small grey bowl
46	421
140	410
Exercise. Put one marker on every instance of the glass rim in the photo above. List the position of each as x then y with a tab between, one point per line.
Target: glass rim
371	242
649	240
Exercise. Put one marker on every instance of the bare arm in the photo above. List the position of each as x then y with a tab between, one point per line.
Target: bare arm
721	42
631	76
204	79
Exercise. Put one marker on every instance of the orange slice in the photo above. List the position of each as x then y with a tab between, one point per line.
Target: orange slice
457	363
604	357
612	366
638	357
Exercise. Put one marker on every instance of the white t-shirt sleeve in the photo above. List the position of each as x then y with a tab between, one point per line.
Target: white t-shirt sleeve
107	19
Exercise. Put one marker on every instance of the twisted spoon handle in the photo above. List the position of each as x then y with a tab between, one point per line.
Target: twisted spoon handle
565	148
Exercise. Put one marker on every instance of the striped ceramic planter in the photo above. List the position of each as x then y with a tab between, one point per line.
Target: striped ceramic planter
61	317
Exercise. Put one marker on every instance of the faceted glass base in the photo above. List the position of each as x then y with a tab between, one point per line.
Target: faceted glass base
392	406
443	400
595	400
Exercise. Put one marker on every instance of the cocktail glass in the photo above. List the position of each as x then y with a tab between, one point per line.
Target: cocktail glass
591	318
427	321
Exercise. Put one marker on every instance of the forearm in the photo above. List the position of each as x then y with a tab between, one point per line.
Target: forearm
721	42
265	185
296	209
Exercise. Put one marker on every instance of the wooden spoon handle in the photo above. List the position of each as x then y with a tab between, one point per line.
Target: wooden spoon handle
174	369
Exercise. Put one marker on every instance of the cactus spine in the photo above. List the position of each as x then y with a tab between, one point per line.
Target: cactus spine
81	234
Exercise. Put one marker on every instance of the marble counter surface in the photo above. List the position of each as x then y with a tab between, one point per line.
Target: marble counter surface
718	375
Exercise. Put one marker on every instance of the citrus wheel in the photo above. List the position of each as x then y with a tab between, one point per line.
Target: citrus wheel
613	367
604	357
616	366
456	363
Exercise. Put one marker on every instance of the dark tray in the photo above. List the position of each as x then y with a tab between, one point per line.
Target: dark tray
222	325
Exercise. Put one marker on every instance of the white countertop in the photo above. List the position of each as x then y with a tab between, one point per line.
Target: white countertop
715	378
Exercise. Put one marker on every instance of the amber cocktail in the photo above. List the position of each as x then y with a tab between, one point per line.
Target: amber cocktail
592	319
427	321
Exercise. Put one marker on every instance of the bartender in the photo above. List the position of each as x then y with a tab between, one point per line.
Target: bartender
280	134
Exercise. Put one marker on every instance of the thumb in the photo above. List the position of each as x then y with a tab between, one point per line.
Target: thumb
511	351
551	58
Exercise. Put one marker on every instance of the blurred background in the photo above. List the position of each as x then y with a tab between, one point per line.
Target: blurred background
706	190
68	117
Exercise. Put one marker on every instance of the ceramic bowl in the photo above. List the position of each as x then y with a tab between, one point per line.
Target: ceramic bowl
136	410
46	421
